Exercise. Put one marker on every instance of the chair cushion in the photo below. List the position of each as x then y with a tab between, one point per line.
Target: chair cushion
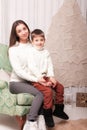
24	99
22	110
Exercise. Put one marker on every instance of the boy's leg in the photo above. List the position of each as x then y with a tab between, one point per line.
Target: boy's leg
48	103
59	102
59	93
47	93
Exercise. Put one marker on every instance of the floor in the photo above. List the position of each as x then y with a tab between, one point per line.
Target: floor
9	123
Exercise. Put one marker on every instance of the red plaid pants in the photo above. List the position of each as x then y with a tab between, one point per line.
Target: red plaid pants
49	94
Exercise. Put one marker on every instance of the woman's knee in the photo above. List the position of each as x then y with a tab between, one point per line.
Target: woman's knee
12	88
40	95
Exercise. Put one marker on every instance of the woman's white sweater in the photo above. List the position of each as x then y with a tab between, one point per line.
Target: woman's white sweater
18	58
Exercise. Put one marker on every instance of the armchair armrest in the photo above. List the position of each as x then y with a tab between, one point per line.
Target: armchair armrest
3	84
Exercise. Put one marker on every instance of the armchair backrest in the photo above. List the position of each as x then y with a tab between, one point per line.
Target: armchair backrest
4	59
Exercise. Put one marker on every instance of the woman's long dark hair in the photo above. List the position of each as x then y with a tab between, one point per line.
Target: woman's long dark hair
13	35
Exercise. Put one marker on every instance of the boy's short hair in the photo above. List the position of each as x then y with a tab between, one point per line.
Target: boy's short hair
37	32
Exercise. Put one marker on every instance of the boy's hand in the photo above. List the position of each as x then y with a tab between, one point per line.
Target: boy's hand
54	82
42	81
49	84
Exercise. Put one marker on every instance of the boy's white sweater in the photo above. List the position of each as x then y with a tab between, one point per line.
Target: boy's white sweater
39	63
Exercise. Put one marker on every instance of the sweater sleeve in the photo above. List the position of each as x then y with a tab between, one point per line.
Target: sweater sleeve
50	70
18	68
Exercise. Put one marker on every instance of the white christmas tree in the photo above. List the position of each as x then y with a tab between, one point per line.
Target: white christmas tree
67	42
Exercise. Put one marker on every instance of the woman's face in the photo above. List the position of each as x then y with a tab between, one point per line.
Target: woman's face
22	32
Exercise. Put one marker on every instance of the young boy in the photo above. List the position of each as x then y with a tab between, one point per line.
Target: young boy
41	68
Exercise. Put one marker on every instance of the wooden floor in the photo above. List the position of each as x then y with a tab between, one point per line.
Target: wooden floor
9	123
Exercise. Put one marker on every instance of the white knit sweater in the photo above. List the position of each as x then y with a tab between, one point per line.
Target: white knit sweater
18	58
39	63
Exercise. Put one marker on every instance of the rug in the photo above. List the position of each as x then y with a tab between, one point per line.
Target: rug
80	124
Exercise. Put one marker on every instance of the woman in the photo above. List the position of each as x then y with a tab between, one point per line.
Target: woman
19	83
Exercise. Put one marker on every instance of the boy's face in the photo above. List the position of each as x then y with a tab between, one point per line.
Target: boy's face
38	42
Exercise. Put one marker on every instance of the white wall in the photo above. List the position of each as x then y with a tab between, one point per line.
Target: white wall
36	13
